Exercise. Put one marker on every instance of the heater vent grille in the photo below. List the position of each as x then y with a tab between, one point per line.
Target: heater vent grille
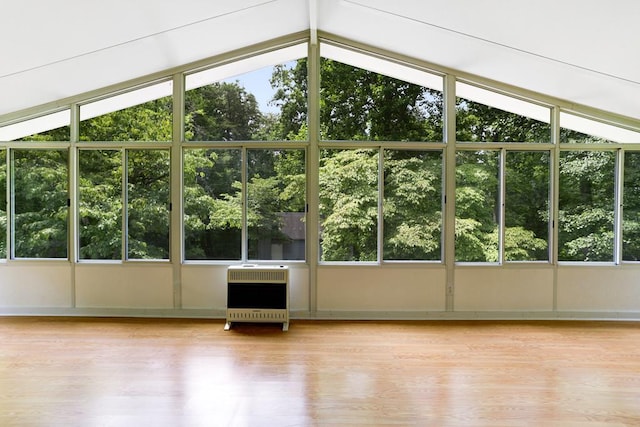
257	275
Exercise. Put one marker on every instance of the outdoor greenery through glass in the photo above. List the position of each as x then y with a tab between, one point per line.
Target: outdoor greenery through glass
147	122
212	203
361	105
412	205
148	199
631	207
527	182
100	208
349	205
228	111
355	179
40	203
477	122
587	196
477	206
276	188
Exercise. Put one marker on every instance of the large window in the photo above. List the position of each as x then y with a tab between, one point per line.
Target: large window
477	206
212	204
412	205
100	208
364	99
245	143
100	195
148	199
486	116
527	184
40	203
263	98
276	204
144	114
586	208
349	205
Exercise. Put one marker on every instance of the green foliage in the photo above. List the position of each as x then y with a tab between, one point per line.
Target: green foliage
586	205
349	205
477	122
151	121
100	209
221	112
356	105
40	203
412	205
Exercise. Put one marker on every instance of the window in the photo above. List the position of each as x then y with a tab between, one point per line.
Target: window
262	98
100	208
486	116
631	208
477	206
3	203
412	205
148	199
527	206
586	206
348	205
40	203
143	114
212	204
49	127
100	195
360	99
578	129
276	204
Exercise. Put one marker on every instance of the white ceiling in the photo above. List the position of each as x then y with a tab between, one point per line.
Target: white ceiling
583	51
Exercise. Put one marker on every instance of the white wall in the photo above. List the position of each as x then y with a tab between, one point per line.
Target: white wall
381	288
364	291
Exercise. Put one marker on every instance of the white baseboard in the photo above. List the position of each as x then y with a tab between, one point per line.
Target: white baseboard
325	315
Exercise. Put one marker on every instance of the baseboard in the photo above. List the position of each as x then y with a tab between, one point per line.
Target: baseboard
326	315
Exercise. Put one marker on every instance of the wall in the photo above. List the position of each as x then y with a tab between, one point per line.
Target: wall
363	292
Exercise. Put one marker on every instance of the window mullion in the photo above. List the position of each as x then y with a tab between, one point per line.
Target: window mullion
502	171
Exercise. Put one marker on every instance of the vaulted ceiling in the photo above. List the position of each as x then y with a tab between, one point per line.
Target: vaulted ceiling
582	51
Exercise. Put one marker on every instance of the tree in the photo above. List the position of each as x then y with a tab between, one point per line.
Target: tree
221	112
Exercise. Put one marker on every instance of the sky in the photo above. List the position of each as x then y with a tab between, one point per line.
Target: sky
257	83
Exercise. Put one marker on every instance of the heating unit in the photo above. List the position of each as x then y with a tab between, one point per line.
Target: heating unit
258	294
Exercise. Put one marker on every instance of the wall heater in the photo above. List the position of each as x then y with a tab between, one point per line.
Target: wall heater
258	294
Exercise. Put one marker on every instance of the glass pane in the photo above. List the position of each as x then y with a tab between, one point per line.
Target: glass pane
276	204
576	129
527	206
265	104
3	203
348	205
631	209
40	203
212	204
148	201
412	205
51	127
586	206
477	206
100	211
140	115
485	116
359	104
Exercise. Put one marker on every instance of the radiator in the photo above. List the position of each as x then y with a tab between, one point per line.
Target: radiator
258	294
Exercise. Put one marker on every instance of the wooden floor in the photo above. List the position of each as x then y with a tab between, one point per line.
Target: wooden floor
159	372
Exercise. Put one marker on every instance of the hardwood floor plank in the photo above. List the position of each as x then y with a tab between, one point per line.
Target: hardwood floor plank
176	372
